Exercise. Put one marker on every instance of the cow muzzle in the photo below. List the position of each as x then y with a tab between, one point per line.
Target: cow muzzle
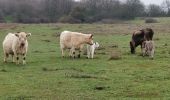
22	44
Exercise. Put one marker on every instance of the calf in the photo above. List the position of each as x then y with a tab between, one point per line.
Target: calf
16	44
91	49
148	48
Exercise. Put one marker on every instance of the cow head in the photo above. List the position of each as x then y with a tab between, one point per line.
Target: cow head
89	39
22	37
96	44
132	47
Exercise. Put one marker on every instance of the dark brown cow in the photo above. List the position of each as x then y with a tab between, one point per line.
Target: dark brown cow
139	36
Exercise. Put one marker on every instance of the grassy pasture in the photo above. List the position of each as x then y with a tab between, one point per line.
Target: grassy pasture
47	76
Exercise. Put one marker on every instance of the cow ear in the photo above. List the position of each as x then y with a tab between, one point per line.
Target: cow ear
28	34
16	34
91	36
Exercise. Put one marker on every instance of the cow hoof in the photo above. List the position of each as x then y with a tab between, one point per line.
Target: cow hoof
24	63
151	58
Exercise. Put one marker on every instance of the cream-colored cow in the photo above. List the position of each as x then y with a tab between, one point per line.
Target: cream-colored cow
74	41
16	44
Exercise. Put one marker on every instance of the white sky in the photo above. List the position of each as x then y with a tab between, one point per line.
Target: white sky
147	2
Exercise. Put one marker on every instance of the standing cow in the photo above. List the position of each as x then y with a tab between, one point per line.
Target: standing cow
139	36
74	41
16	44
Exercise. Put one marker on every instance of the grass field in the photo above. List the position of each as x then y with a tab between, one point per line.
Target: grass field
48	76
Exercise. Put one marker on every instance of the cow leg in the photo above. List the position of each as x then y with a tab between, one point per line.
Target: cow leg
5	57
62	52
13	58
143	52
92	53
17	58
79	53
23	59
80	50
141	46
132	47
73	52
70	53
88	53
152	54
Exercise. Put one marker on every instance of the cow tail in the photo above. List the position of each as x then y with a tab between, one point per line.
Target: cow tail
152	33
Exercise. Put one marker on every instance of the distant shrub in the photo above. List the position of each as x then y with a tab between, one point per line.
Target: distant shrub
150	20
68	19
110	21
1	17
23	19
44	20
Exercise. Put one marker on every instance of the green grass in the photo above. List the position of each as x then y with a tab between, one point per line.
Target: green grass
48	76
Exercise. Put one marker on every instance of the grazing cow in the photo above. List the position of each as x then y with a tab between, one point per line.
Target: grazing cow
16	44
148	48
74	41
139	37
91	49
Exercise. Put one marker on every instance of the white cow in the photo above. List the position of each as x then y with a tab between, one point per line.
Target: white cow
74	41
91	49
148	48
16	44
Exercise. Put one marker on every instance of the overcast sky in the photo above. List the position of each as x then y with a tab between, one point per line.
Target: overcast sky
147	2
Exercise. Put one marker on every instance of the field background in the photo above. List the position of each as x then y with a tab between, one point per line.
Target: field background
48	76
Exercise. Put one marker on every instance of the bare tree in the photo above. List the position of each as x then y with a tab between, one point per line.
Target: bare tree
43	11
155	11
166	6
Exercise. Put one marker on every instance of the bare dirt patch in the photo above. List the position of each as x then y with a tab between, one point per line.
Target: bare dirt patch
8	26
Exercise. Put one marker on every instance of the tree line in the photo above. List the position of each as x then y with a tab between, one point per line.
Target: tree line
81	11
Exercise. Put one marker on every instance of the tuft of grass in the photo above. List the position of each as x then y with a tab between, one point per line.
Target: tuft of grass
46	40
115	55
3	70
113	46
44	69
101	87
156	39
